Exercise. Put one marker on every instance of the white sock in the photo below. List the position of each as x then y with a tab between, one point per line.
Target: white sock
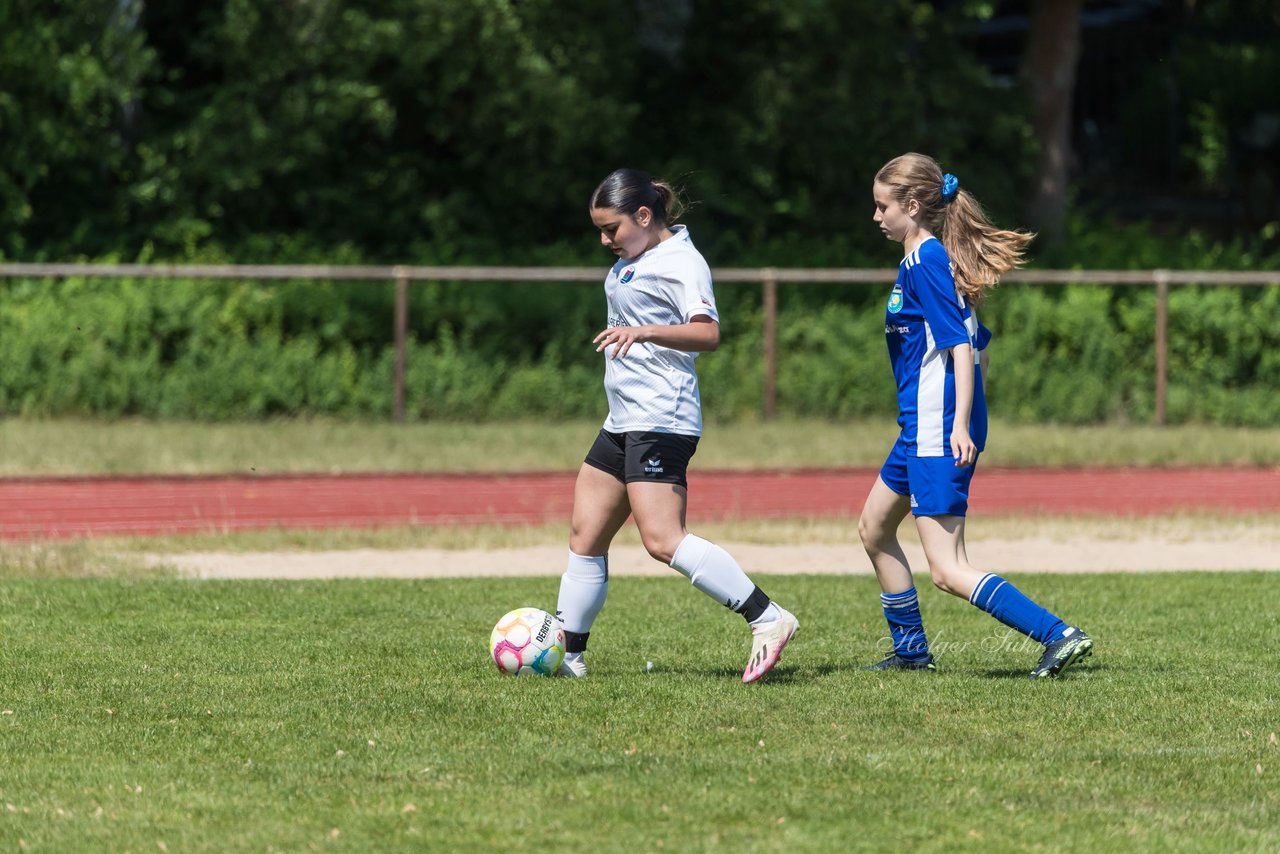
583	589
713	570
770	614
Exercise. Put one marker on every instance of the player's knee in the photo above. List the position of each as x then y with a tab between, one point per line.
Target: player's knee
872	533
661	547
587	540
945	577
864	529
662	554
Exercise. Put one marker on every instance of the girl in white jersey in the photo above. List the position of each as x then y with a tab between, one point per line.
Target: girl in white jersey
934	341
661	314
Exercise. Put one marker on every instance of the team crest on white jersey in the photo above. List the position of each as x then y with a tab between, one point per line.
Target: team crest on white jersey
895	300
627	275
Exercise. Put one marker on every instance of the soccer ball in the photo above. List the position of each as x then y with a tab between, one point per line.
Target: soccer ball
527	642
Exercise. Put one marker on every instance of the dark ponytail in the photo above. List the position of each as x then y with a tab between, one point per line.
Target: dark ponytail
628	190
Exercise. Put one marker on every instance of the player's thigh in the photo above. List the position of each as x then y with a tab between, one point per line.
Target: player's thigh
882	513
659	510
600	507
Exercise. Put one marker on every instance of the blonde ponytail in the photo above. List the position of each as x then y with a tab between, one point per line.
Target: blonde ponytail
980	253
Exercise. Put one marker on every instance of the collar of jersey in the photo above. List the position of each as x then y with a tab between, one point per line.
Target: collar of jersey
921	246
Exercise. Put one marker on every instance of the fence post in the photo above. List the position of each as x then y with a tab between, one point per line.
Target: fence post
401	337
1162	343
769	300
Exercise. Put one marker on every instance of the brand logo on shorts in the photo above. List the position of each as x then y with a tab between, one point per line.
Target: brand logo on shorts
627	275
895	300
913	500
653	466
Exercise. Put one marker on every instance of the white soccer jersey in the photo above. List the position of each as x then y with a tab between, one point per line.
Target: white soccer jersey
655	388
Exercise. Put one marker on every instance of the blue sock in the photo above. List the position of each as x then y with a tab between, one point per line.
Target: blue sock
1007	604
906	626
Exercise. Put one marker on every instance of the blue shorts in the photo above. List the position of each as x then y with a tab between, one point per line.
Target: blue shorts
935	485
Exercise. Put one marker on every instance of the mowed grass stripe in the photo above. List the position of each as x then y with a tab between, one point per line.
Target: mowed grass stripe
69	447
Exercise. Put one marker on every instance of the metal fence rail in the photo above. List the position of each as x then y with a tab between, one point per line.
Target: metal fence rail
767	277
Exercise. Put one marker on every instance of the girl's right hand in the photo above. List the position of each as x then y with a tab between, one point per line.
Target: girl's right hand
620	338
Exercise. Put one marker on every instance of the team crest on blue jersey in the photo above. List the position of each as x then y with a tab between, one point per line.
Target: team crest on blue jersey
895	300
627	275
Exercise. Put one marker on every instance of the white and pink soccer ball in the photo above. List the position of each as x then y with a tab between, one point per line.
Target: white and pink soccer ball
527	642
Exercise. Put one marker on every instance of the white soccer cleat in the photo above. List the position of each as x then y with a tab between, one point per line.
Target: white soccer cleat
768	640
573	665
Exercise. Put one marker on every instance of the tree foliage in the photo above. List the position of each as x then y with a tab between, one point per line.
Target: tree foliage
470	129
70	78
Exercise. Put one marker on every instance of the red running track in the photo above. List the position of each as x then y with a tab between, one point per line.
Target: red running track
76	507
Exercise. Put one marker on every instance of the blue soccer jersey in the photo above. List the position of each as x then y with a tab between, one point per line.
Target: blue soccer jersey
925	317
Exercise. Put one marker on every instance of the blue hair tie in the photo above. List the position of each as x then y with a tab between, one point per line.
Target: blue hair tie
950	186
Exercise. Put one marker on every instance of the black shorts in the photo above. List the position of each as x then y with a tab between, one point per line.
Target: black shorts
643	457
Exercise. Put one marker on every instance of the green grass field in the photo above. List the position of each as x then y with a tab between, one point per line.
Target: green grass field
160	714
142	712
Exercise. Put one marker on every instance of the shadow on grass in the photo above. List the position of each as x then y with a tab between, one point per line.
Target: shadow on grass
1007	673
1025	672
783	673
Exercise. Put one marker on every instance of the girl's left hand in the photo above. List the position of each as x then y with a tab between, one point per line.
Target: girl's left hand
963	450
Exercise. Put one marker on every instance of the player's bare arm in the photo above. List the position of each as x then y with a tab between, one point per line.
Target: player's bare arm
963	449
700	335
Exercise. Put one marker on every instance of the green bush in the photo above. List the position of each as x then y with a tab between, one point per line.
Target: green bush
218	350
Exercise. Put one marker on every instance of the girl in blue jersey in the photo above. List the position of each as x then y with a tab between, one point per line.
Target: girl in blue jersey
661	314
937	348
